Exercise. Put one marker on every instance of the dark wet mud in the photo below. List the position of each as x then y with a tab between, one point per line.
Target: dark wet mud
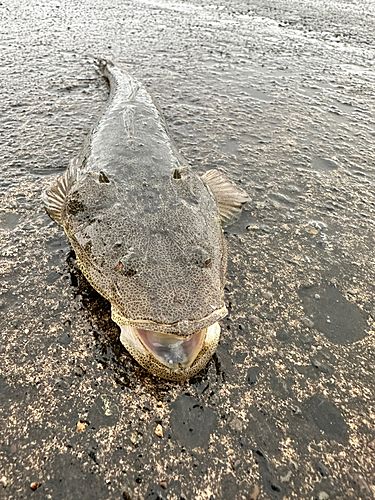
280	97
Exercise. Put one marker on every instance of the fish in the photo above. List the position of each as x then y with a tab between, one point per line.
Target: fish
147	231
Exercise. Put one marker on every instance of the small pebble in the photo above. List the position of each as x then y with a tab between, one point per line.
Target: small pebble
235	424
163	484
320	366
323	495
134	439
255	320
34	485
293	463
307	322
286	478
259	205
255	493
159	430
311	230
252	374
322	469
81	427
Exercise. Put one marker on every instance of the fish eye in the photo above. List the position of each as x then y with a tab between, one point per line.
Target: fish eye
180	172
103	179
200	257
126	270
128	264
176	174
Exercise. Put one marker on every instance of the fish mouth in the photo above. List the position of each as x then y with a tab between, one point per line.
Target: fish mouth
173	351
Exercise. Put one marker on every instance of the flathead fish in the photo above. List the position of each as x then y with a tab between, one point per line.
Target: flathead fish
147	232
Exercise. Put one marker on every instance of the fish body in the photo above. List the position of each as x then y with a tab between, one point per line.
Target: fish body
147	232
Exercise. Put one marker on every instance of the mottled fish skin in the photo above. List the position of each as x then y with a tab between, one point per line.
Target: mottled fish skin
146	230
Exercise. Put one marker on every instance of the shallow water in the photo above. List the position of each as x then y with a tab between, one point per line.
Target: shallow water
278	96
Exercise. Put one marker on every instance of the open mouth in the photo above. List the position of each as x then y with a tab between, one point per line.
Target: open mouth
173	351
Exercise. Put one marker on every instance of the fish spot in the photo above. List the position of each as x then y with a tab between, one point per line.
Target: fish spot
178	299
75	207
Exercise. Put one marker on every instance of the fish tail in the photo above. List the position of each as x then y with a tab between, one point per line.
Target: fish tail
104	66
117	79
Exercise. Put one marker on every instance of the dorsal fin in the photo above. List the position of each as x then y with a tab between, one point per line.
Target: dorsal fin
229	198
54	196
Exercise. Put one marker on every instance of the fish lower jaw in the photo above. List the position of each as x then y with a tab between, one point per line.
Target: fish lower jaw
171	356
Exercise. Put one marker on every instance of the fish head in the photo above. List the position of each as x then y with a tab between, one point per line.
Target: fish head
160	258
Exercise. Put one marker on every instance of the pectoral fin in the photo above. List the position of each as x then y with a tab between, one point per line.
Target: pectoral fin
229	198
54	196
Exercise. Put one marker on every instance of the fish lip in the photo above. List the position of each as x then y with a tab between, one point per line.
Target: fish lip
183	328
